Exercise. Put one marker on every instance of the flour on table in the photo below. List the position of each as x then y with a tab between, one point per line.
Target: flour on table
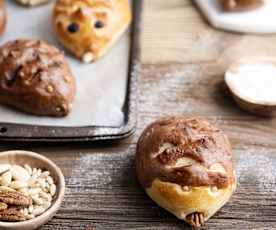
92	171
155	94
255	165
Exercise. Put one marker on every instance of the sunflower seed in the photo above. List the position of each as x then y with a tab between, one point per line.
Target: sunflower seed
6	178
4	168
38	210
53	189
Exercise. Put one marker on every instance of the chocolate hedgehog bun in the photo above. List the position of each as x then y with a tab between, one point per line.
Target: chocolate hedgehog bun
186	166
88	28
241	5
3	16
35	78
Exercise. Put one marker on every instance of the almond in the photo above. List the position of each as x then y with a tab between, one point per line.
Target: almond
6	179
28	168
18	185
6	189
19	173
53	189
38	210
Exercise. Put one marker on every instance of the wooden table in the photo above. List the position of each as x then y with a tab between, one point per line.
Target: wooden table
182	73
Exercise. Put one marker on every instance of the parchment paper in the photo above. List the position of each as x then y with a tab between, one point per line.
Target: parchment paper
101	86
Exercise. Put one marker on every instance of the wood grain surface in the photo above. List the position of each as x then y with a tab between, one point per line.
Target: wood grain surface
182	74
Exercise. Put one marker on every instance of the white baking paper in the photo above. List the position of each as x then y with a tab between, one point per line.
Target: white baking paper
101	86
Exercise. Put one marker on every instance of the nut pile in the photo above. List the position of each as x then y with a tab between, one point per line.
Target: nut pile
25	192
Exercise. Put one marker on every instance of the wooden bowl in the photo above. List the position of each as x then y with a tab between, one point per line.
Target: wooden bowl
257	107
36	161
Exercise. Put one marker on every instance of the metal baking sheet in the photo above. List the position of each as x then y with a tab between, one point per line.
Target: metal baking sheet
105	104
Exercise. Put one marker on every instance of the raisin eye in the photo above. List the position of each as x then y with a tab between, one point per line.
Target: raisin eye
73	27
99	24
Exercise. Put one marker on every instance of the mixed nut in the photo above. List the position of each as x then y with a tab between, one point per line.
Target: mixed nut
25	192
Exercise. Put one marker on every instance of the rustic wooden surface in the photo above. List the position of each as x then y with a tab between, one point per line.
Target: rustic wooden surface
182	73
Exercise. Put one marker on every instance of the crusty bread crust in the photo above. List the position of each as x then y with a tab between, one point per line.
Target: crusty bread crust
36	78
186	166
197	153
181	202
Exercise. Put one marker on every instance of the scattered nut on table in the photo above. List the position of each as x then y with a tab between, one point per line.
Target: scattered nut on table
25	192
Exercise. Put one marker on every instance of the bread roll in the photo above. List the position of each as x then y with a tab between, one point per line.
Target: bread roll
35	78
241	5
89	28
186	166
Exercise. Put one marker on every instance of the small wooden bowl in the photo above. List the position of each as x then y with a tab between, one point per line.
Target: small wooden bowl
260	108
36	161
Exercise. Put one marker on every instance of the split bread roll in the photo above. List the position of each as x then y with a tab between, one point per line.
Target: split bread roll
186	167
89	28
241	5
32	2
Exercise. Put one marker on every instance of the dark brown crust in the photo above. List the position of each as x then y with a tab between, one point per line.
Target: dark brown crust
194	138
15	198
35	78
3	16
241	5
12	214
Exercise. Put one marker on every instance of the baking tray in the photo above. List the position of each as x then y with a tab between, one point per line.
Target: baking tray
26	132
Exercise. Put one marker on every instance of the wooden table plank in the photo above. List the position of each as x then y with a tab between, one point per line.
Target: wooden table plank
175	32
102	191
182	74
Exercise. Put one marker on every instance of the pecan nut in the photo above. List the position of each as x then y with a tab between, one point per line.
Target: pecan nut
15	198
196	220
12	214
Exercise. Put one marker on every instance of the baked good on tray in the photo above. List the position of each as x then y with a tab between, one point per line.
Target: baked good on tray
186	167
35	78
3	16
89	28
32	2
241	5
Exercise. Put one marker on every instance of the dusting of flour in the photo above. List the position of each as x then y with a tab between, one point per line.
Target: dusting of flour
258	167
166	92
99	170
